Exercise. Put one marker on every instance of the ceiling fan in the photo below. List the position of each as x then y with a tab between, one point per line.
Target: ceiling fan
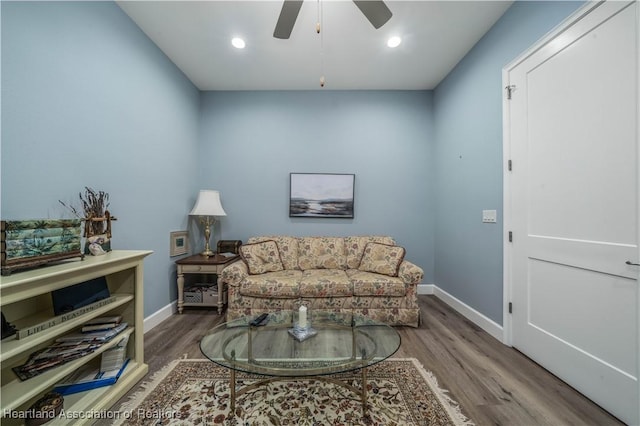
374	10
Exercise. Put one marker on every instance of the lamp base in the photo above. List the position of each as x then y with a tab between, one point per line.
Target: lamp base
208	221
207	253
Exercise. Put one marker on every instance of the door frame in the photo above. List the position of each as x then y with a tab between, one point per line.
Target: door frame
553	35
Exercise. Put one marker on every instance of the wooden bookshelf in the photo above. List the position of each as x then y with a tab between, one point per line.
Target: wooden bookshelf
25	300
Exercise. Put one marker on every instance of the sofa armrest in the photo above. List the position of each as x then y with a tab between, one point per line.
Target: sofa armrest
234	273
410	273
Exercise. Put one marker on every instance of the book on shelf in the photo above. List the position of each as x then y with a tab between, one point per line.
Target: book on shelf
102	323
97	336
74	297
105	320
113	358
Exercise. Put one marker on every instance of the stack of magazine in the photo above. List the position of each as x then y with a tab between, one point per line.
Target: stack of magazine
92	376
66	348
53	356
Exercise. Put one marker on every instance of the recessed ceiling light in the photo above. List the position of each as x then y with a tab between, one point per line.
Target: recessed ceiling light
238	43
394	41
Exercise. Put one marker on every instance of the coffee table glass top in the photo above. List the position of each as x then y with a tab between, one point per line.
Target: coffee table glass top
343	342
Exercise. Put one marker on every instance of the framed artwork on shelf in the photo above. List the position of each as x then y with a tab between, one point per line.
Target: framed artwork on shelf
321	195
179	243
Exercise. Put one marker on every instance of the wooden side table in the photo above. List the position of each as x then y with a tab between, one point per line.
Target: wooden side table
198	264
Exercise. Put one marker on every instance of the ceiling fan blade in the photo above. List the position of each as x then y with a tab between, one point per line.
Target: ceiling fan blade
375	10
288	16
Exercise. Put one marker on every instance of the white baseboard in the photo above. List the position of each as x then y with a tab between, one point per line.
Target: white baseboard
425	288
485	323
160	315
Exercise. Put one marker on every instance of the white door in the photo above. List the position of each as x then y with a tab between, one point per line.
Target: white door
573	195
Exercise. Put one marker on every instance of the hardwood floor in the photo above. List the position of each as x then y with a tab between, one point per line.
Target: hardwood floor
494	384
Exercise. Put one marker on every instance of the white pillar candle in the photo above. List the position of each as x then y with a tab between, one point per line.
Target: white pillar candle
302	319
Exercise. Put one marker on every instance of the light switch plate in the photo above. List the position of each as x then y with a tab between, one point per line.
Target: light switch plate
489	216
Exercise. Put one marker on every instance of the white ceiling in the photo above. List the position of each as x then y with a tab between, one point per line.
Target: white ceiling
349	52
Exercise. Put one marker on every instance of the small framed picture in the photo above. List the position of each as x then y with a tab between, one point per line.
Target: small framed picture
179	243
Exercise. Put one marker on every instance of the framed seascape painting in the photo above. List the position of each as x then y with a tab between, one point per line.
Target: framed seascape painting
321	195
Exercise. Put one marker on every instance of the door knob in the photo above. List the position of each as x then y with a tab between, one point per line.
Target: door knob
628	262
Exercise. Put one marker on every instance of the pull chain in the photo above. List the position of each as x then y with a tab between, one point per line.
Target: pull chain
318	31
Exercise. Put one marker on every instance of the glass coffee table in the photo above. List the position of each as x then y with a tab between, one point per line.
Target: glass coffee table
341	343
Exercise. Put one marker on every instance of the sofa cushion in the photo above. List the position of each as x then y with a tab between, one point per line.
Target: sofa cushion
355	246
325	283
287	246
261	257
321	253
372	284
382	259
277	285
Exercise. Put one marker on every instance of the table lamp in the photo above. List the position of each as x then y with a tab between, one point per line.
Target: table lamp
207	207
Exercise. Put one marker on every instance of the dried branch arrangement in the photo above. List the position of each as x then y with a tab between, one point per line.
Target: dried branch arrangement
96	215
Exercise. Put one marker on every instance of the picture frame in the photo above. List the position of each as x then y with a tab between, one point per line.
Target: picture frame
324	195
179	243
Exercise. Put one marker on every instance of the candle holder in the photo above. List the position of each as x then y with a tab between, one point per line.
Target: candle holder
301	317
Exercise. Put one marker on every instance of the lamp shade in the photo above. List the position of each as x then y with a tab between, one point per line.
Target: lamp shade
208	204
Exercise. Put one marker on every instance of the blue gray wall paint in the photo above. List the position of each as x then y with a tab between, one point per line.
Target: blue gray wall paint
468	157
89	100
251	141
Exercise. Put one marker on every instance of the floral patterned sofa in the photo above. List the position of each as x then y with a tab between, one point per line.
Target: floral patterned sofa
360	274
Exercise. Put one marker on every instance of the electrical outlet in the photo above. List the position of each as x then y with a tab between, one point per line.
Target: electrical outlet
489	216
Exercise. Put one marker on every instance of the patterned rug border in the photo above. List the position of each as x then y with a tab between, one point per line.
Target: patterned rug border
449	404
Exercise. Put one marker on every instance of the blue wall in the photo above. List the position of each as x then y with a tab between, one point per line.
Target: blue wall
468	157
251	141
89	100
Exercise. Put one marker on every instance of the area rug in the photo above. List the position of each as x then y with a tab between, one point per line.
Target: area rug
196	392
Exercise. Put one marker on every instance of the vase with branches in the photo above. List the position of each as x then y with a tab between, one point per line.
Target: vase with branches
95	214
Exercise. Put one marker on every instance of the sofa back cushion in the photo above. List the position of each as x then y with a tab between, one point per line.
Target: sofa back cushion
355	247
322	253
382	259
287	246
261	257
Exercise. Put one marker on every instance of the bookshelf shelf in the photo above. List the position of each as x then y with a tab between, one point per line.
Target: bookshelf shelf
25	301
12	346
16	392
95	401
